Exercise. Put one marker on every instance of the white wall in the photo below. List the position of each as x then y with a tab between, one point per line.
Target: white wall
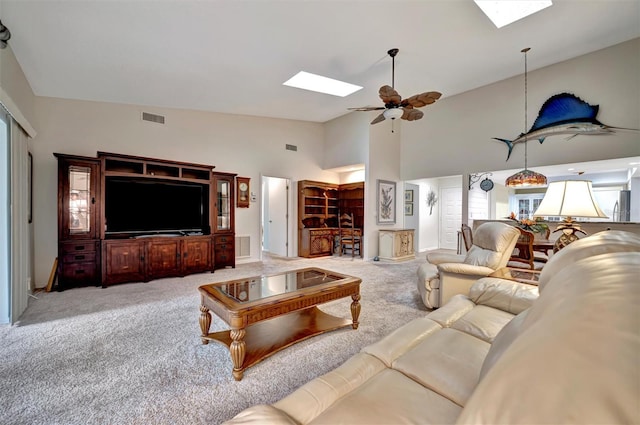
346	140
352	176
499	202
429	217
478	203
249	146
412	221
455	135
383	164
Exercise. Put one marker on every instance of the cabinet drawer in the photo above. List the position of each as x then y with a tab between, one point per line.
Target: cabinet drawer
72	247
79	272
224	257
225	239
79	256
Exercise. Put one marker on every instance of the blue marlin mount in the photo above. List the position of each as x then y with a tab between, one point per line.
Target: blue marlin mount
563	113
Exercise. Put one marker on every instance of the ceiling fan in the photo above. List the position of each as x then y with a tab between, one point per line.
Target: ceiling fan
394	106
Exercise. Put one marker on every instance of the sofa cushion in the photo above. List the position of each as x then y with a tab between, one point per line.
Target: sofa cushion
503	294
262	414
502	341
598	243
437	257
402	339
576	357
458	306
483	322
390	398
448	362
314	397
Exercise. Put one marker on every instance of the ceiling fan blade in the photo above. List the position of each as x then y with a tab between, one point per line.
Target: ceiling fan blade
378	119
422	99
389	95
411	114
367	108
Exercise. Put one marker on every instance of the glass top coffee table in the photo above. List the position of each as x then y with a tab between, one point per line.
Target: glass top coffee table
519	275
271	312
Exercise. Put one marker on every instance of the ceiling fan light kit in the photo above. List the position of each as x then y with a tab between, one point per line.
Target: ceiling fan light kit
393	113
394	106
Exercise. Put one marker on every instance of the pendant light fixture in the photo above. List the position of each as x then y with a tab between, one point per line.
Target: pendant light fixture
525	177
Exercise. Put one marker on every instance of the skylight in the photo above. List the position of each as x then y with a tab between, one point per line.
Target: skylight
504	12
318	83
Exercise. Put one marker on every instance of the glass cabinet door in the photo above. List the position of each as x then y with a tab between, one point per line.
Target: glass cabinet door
80	200
224	205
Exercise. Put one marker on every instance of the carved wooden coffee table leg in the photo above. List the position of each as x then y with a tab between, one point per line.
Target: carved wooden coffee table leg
238	350
355	310
205	323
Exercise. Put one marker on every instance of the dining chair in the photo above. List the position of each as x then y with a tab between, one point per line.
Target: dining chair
541	254
350	238
467	236
523	253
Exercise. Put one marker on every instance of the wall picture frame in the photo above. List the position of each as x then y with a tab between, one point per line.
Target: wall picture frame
408	208
386	202
408	195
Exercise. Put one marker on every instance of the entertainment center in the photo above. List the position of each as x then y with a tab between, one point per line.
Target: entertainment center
124	218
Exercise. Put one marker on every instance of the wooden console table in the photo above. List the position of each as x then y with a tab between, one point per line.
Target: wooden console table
396	244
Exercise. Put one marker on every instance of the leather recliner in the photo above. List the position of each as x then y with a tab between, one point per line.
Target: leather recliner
444	276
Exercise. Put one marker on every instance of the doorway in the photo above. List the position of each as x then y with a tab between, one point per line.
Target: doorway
450	217
274	217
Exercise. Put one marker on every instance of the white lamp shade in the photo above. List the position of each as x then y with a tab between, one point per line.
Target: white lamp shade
393	113
572	198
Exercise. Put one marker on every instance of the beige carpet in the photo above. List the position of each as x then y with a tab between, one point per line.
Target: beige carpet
131	353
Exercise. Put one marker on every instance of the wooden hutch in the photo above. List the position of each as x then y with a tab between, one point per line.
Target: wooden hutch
319	205
99	244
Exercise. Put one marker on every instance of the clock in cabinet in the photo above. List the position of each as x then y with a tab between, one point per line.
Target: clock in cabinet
242	197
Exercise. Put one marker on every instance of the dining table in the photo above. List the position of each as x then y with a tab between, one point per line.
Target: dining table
543	245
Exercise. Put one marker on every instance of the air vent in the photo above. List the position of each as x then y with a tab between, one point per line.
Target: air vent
243	246
291	148
146	116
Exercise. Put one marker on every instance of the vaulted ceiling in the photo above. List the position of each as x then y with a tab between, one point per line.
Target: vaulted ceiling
232	56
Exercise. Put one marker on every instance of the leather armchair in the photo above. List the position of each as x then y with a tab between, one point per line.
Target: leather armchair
444	276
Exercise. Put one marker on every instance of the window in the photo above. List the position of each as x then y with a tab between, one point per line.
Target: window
525	205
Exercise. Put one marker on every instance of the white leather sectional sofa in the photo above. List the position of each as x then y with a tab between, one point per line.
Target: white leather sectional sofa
500	354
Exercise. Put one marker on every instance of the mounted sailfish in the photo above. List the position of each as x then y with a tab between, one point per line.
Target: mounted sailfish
563	113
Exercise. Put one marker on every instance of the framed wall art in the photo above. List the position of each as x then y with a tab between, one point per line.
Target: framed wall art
408	208
408	195
386	202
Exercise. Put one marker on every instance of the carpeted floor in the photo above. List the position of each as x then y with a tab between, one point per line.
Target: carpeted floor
131	353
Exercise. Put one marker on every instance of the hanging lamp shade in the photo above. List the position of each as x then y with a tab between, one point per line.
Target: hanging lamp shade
525	177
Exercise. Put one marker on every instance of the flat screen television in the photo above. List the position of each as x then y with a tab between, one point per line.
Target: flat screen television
155	206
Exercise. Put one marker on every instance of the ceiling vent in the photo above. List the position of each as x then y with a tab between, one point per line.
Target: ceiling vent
146	116
291	147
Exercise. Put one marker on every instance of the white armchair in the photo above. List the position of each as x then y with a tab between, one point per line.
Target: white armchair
444	276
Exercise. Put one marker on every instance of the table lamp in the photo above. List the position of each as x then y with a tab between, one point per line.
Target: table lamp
568	199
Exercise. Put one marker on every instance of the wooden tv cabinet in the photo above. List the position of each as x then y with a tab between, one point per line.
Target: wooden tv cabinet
148	258
89	254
